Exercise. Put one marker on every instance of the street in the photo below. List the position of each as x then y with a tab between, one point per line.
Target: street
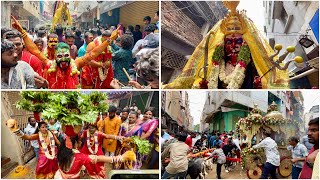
235	173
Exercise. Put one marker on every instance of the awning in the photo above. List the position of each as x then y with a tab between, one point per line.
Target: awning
210	116
109	5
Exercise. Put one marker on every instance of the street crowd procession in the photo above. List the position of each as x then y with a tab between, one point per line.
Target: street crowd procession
63	55
74	134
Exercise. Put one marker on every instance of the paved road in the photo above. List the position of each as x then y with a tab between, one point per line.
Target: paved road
235	173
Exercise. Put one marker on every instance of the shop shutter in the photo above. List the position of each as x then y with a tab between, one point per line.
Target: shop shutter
133	13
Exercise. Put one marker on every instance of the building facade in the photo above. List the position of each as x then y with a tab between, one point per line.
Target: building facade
222	110
287	22
26	12
175	110
184	24
111	13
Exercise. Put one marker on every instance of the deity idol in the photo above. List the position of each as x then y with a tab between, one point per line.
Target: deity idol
234	55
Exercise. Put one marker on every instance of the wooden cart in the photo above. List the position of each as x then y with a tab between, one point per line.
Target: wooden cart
253	127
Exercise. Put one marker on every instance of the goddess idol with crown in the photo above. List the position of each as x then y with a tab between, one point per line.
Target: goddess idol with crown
234	55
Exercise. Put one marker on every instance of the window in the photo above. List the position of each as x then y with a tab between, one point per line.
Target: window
284	16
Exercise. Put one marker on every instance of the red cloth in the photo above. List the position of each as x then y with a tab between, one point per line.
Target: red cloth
46	166
90	75
69	131
85	149
33	61
306	172
189	141
97	169
80	160
61	79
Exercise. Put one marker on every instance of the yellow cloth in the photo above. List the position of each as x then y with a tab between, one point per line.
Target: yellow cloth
111	127
260	50
61	12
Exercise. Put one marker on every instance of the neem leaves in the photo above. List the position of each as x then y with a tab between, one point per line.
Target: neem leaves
70	108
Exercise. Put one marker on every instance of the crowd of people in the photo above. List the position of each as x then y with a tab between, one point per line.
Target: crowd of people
61	151
68	58
177	149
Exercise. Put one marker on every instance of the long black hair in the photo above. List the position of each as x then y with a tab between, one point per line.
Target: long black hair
39	125
65	155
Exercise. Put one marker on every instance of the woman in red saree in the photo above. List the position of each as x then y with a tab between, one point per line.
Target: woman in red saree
93	146
71	161
47	162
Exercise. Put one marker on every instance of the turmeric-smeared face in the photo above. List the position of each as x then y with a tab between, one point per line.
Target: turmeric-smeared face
52	42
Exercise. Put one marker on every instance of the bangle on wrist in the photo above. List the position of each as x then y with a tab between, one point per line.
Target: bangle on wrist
19	133
23	34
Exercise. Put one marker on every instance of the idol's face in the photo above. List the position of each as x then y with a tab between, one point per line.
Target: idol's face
233	42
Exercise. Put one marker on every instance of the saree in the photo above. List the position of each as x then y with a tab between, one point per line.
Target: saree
98	169
46	168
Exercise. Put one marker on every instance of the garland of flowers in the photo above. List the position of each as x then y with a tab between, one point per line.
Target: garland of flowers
246	151
103	75
44	145
96	143
74	68
235	79
213	77
53	67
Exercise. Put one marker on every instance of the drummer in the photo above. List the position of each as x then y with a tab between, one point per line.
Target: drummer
272	154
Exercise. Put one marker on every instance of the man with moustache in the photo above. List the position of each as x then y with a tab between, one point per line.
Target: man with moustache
124	115
15	74
313	137
30	129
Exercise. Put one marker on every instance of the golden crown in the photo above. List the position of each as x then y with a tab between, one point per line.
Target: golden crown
233	23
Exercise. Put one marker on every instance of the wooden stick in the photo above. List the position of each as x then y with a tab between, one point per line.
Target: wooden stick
125	71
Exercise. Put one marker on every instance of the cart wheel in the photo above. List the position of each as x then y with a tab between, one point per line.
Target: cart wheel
285	167
254	173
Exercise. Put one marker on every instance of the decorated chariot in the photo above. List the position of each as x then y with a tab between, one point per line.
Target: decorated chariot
253	127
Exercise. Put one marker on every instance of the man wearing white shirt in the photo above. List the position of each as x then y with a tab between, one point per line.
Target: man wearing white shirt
273	158
29	130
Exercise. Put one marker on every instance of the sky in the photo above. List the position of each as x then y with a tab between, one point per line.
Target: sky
311	98
255	11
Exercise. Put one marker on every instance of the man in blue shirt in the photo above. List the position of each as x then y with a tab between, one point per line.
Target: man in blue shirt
299	153
88	36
